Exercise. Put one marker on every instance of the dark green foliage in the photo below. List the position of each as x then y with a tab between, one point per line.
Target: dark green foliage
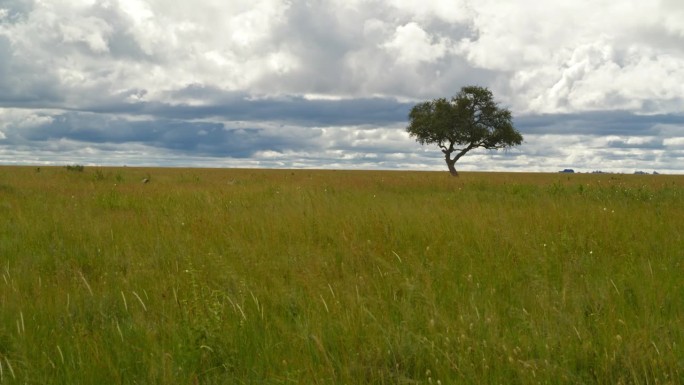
471	119
75	167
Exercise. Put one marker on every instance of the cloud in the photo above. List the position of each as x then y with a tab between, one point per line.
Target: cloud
571	57
237	140
275	82
412	45
199	102
602	123
542	58
674	142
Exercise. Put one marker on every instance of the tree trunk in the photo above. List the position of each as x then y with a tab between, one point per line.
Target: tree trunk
451	164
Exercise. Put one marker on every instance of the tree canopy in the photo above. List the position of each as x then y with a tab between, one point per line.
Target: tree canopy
471	119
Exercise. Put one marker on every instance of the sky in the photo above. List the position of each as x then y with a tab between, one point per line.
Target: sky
592	84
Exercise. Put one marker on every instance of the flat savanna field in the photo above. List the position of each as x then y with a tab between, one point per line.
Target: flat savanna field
221	276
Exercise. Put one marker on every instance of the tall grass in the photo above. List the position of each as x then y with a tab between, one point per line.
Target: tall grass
339	277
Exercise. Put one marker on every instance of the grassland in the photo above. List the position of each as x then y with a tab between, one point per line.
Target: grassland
339	277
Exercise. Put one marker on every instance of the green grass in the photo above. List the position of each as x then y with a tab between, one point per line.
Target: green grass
339	277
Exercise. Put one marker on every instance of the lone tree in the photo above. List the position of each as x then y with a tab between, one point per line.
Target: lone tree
471	119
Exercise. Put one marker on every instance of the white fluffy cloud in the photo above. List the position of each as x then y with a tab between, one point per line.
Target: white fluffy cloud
583	55
410	44
539	57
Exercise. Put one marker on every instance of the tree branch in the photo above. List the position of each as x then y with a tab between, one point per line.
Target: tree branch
464	151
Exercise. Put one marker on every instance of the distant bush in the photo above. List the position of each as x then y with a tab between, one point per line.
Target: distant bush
75	167
99	175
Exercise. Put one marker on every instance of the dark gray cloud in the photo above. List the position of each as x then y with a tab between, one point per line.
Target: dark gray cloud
20	81
183	137
601	123
240	106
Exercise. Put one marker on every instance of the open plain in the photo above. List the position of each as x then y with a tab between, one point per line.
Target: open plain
223	276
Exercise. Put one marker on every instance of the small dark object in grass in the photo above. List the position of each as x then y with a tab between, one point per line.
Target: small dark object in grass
75	167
